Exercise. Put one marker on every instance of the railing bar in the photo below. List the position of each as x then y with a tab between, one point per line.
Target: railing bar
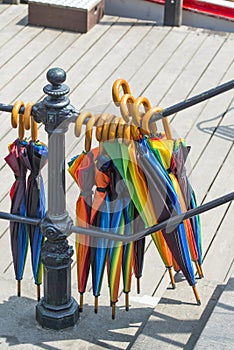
166	111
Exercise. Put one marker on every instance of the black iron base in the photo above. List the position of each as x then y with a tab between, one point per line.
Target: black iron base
57	317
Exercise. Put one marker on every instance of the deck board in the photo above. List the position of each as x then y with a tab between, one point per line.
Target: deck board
166	65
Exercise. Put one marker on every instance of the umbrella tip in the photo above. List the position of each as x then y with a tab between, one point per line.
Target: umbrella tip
173	285
126	301
38	292
199	269
81	302
196	295
138	286
96	305
113	310
19	288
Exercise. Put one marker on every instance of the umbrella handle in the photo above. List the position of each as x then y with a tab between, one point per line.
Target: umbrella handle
148	116
119	83
126	106
18	119
112	133
80	121
106	126
141	100
29	121
99	126
89	131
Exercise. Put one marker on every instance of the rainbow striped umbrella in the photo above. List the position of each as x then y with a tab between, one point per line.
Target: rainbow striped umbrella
100	217
82	169
121	160
163	150
175	237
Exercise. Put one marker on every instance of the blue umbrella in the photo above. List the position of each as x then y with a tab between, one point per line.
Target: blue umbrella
100	217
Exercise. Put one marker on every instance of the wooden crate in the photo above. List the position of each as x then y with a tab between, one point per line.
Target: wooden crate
75	15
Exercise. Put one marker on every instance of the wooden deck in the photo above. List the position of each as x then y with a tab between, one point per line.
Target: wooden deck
166	65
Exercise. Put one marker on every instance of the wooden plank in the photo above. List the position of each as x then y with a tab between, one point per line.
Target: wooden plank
11	30
68	58
223	184
183	86
10	14
130	66
174	67
156	61
18	50
207	61
114	58
3	7
220	255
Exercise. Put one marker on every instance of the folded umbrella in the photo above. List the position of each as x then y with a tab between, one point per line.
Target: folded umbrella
120	158
163	150
175	237
100	217
18	232
82	169
35	157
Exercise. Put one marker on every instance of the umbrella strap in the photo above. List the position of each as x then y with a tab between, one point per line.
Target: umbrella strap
20	178
103	189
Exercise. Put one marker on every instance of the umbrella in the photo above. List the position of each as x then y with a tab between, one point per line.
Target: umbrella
128	250
163	149
143	193
82	169
120	159
100	217
178	168
35	157
176	238
119	256
18	232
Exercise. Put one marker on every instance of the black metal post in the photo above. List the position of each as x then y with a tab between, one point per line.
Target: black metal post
173	13
57	309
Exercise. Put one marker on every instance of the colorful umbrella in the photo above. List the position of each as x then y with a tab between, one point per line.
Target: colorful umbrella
18	232
118	255
176	238
100	217
179	156
139	180
163	150
82	169
35	157
120	157
128	251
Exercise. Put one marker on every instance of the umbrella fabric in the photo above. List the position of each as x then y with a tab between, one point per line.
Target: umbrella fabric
119	256
196	226
178	168
18	232
128	249
35	157
176	238
135	178
120	158
82	169
100	217
143	193
163	150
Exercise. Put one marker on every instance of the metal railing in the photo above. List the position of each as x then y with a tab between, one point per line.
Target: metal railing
57	309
